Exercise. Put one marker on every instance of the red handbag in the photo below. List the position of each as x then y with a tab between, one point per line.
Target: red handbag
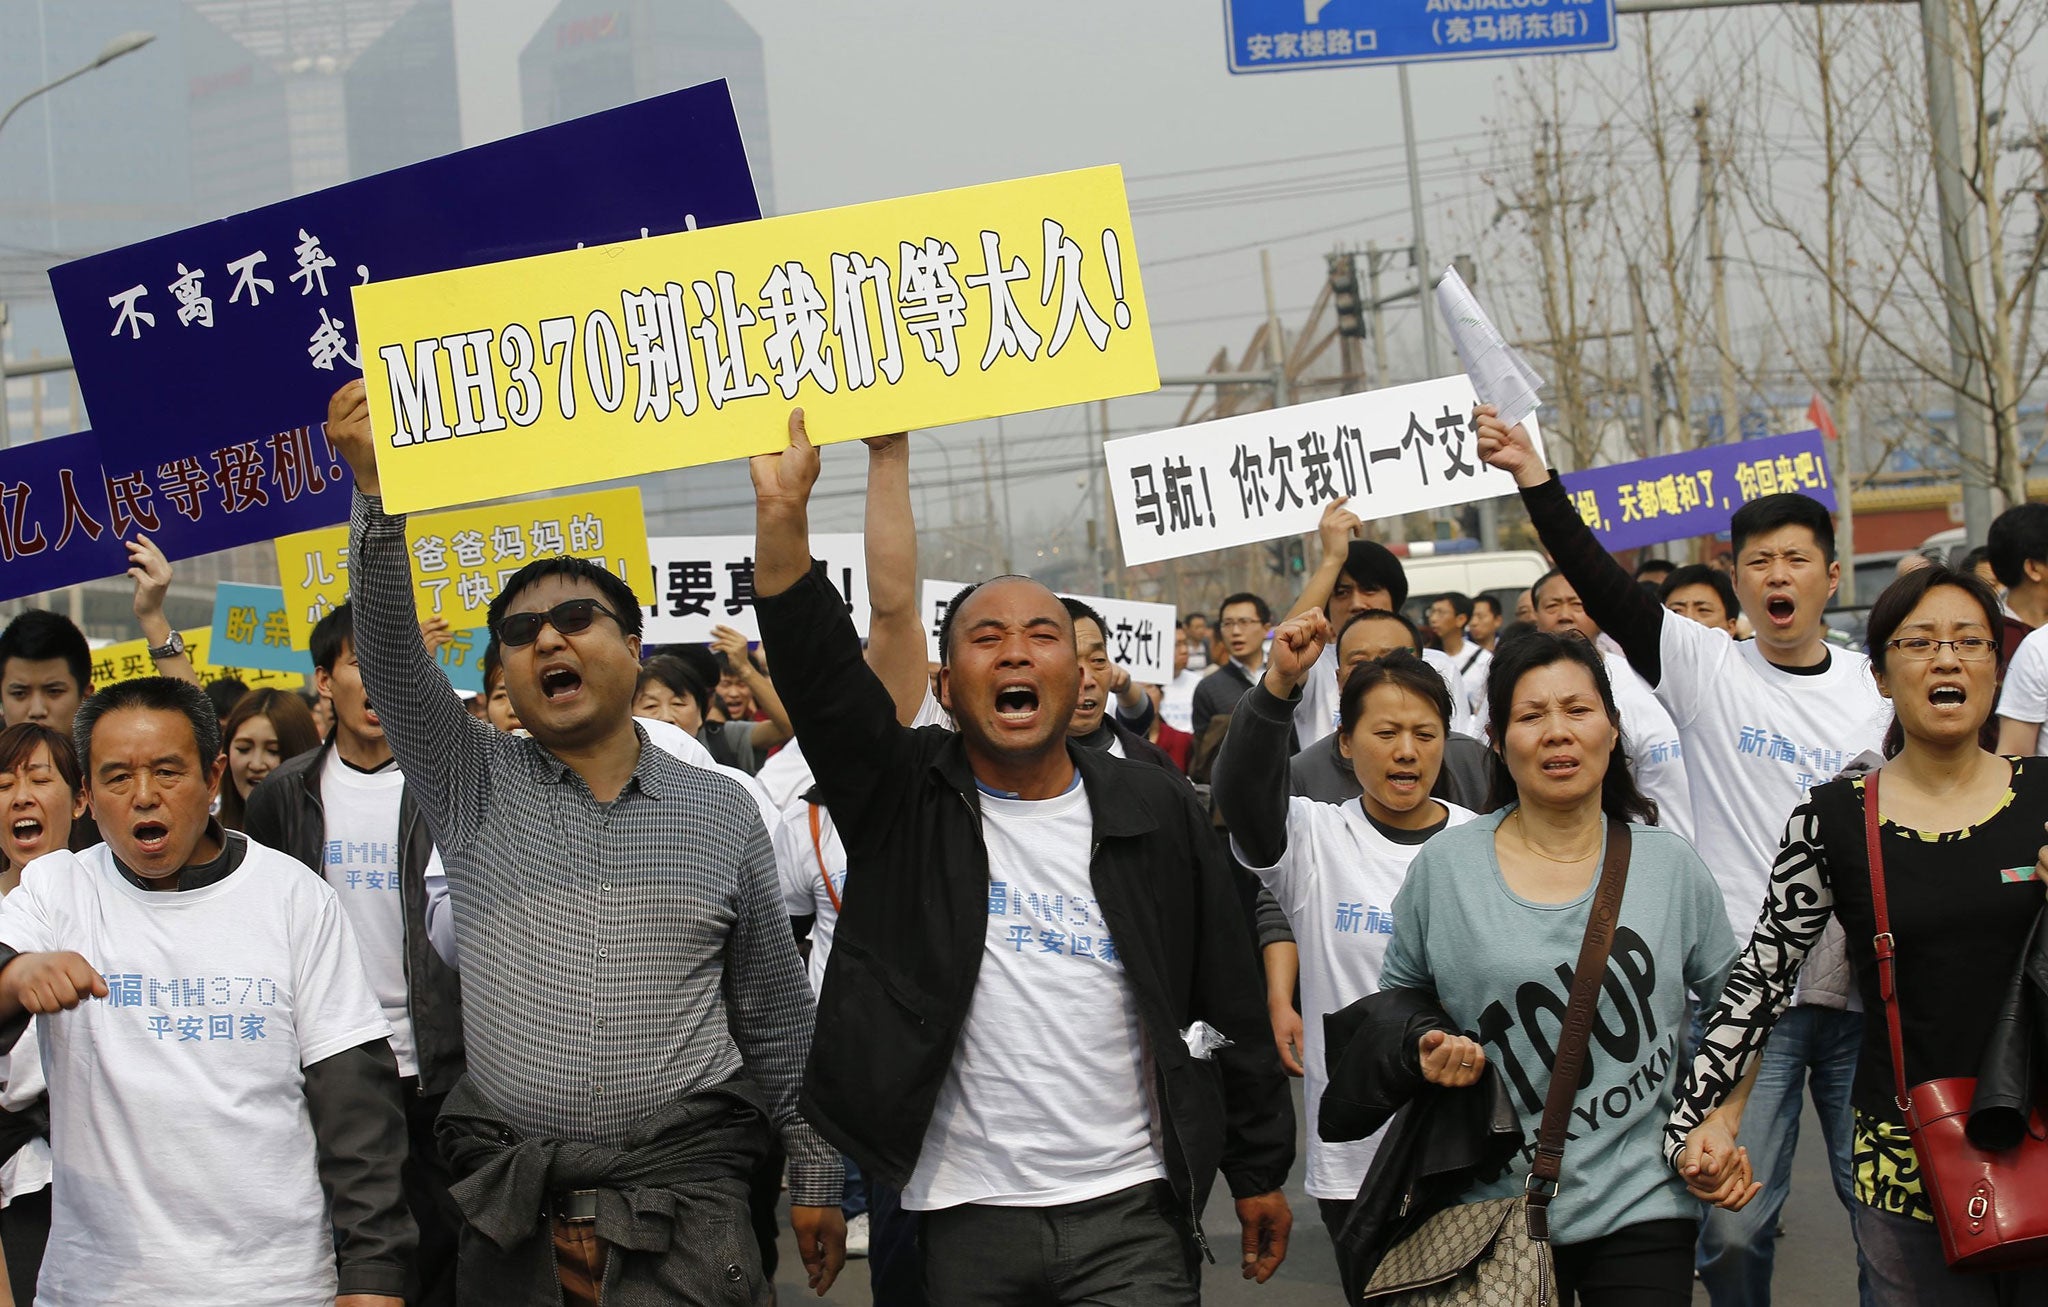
1990	1207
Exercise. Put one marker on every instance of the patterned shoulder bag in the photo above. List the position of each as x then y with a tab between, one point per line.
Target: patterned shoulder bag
1497	1253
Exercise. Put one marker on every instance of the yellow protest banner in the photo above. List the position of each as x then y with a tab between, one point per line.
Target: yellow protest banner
461	559
609	362
129	661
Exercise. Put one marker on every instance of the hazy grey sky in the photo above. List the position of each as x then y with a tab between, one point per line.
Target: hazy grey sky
895	97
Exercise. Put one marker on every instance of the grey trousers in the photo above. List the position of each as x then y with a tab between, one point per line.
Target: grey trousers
1127	1249
1907	1268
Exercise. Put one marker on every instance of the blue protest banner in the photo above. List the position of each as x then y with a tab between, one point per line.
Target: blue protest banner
1276	36
1695	493
207	356
56	525
251	629
462	658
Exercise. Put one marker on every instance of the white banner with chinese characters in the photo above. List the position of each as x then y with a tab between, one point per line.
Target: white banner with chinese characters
1139	635
706	581
1266	476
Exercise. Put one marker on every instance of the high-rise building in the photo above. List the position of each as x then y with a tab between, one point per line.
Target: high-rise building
236	104
591	55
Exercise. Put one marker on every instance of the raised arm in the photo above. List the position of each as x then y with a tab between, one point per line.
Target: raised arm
443	751
896	644
776	730
1249	783
1335	531
1801	902
848	724
151	572
1613	599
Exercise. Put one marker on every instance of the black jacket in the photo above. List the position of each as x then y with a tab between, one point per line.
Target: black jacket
285	813
2006	1081
1440	1142
913	923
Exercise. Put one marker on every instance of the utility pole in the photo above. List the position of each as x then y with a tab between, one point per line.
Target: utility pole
1379	317
1717	275
1958	259
1009	539
1425	274
1276	349
1112	547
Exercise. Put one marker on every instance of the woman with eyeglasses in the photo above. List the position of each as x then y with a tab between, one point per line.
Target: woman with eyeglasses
1960	844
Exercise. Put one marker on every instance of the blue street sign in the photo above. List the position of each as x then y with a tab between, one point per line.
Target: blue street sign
1275	36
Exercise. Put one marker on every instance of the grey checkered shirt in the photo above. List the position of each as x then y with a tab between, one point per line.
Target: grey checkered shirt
613	955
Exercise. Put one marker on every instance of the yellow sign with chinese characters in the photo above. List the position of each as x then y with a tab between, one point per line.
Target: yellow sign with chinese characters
129	661
612	361
460	560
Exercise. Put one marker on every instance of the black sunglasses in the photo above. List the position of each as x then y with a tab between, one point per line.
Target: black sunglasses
568	617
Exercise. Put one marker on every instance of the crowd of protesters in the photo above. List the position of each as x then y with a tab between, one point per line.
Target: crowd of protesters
383	993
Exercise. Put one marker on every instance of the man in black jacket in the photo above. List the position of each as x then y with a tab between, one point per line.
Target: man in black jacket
1038	944
342	809
1093	725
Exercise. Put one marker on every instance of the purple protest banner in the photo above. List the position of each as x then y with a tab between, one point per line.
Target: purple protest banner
57	521
1694	493
206	357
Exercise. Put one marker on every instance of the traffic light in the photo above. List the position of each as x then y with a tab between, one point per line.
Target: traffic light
1344	295
1297	557
1276	557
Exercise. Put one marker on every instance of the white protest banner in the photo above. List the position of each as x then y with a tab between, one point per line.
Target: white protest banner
1265	476
706	581
1140	635
1498	371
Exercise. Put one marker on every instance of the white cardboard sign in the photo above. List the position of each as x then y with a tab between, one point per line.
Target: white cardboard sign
706	581
1140	635
1266	476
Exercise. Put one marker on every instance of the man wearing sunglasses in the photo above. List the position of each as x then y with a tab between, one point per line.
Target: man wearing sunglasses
635	1011
1038	947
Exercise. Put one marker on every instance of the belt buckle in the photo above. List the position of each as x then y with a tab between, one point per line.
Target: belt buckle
576	1205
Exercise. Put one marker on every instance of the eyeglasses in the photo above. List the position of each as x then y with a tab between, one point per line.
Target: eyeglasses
1920	648
1241	624
568	617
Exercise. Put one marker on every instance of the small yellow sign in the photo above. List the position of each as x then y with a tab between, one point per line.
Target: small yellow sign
460	560
129	661
606	362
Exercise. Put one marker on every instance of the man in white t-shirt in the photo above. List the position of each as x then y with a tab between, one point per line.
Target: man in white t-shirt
1037	948
2023	699
1177	696
224	1114
1449	615
343	809
1762	722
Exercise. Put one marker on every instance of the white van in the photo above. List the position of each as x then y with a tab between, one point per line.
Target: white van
1502	574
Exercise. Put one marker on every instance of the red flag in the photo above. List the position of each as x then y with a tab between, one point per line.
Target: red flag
1817	413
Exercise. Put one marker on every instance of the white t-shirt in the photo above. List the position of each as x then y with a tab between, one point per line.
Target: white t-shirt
29	1169
1475	663
1336	882
2025	696
1656	755
806	864
785	776
1322	696
184	1151
1048	1099
1177	700
1757	738
362	856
